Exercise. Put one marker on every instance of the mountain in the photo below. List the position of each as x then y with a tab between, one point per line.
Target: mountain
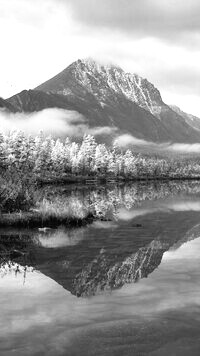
108	96
34	100
191	120
140	225
87	270
6	106
94	264
104	274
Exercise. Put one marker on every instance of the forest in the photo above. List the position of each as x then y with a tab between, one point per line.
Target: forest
27	161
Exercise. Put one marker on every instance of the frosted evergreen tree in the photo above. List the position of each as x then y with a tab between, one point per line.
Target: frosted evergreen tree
58	157
43	164
101	159
86	154
3	155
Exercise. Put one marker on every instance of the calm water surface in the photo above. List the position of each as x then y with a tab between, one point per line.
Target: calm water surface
128	284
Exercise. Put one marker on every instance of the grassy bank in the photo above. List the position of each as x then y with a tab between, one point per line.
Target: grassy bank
74	206
22	204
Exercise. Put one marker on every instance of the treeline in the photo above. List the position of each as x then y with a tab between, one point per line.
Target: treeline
43	157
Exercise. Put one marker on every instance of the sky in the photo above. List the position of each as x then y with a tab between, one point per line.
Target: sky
158	39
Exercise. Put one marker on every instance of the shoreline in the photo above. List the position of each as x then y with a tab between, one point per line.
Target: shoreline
36	219
33	220
89	180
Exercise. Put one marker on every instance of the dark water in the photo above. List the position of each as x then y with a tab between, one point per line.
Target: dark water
128	284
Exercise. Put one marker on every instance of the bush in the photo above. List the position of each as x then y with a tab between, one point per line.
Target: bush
16	191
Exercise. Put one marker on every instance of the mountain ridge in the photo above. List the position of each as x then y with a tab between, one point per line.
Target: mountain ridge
6	106
108	96
192	120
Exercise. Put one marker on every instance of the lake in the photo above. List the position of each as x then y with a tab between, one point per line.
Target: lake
126	284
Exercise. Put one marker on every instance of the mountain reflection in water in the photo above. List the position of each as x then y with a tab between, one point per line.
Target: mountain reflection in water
143	223
155	236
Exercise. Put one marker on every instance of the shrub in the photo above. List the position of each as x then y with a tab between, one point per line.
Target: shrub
16	191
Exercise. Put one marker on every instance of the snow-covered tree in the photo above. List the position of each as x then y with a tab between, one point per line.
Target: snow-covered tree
86	154
3	156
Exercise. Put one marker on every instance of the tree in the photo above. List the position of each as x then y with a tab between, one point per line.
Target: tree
86	154
43	164
58	157
101	159
3	156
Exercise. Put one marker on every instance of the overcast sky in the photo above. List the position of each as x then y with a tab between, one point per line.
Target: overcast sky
158	39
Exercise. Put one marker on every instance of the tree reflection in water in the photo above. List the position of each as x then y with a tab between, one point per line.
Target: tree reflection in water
136	224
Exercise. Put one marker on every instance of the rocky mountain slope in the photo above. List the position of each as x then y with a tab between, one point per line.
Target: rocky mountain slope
6	106
108	96
191	120
104	275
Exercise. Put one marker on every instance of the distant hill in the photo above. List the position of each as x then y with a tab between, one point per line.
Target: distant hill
108	96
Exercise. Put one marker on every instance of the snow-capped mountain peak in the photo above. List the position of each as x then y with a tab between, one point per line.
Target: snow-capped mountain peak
101	80
106	95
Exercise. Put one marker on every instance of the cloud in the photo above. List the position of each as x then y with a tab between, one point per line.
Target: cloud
157	206
104	130
104	225
126	215
190	148
126	141
149	18
51	121
60	238
157	39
